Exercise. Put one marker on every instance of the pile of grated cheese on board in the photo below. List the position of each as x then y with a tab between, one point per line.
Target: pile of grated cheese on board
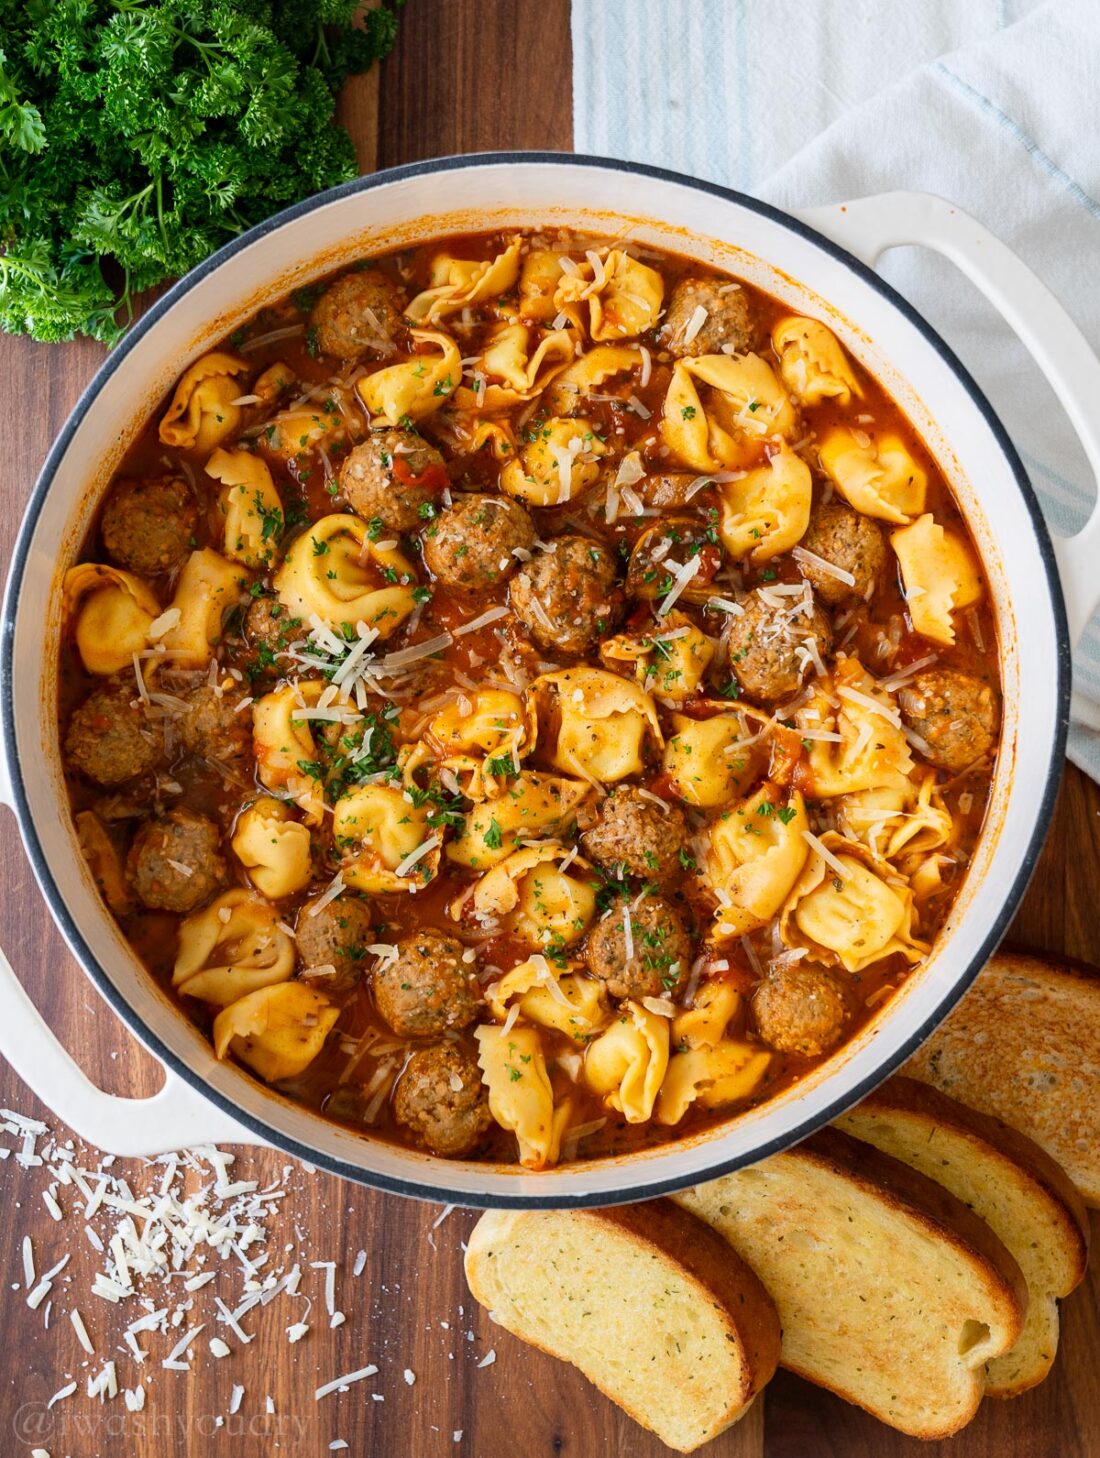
163	1232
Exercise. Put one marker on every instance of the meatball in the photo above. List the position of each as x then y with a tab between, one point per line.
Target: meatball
336	936
728	317
440	1097
635	833
848	540
110	739
800	1009
652	961
671	490
175	862
427	988
358	312
568	597
393	477
473	544
270	627
954	713
149	526
764	644
214	727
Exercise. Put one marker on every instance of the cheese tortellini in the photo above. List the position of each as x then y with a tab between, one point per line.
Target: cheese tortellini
623	296
539	277
459	283
626	1064
480	739
703	1024
274	849
906	819
233	947
878	477
711	1076
335	572
104	861
535	804
284	748
250	504
754	856
416	388
767	511
850	910
872	753
560	463
542	895
489	721
323	425
670	663
706	761
208	589
604	723
747	403
277	1031
387	843
203	412
510	371
521	1098
811	362
113	611
569	388
567	1002
940	576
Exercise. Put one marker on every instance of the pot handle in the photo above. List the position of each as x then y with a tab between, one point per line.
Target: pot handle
177	1117
869	226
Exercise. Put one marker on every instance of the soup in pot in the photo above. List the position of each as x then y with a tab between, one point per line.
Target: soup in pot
529	697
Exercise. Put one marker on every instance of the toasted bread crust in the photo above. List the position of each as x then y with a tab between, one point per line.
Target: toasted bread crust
666	1227
1024	1045
909	1095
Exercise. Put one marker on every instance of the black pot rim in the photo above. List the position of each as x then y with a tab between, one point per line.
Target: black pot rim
426	1190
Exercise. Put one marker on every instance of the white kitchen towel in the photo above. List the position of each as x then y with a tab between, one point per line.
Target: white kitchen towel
990	103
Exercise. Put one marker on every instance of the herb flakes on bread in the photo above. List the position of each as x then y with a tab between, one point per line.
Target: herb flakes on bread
646	1300
891	1293
1024	1197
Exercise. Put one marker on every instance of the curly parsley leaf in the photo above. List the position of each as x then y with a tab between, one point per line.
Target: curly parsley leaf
136	136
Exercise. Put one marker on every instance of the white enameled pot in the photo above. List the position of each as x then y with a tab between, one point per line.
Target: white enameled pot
819	263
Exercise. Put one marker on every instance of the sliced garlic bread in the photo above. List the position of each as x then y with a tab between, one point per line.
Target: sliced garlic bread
1024	1044
1014	1186
890	1291
644	1299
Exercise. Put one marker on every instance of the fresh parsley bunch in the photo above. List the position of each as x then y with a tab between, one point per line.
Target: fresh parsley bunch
138	135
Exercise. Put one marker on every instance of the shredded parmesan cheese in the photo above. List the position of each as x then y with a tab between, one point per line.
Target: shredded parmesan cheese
804	555
425	848
695	323
683	576
884	711
491	615
341	1384
825	853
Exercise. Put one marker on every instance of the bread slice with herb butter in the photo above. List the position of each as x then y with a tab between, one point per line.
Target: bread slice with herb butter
1014	1186
646	1300
1024	1044
891	1293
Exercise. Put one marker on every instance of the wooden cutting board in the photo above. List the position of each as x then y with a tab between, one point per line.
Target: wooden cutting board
466	75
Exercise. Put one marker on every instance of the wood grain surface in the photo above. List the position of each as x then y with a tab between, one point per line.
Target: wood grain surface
465	75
